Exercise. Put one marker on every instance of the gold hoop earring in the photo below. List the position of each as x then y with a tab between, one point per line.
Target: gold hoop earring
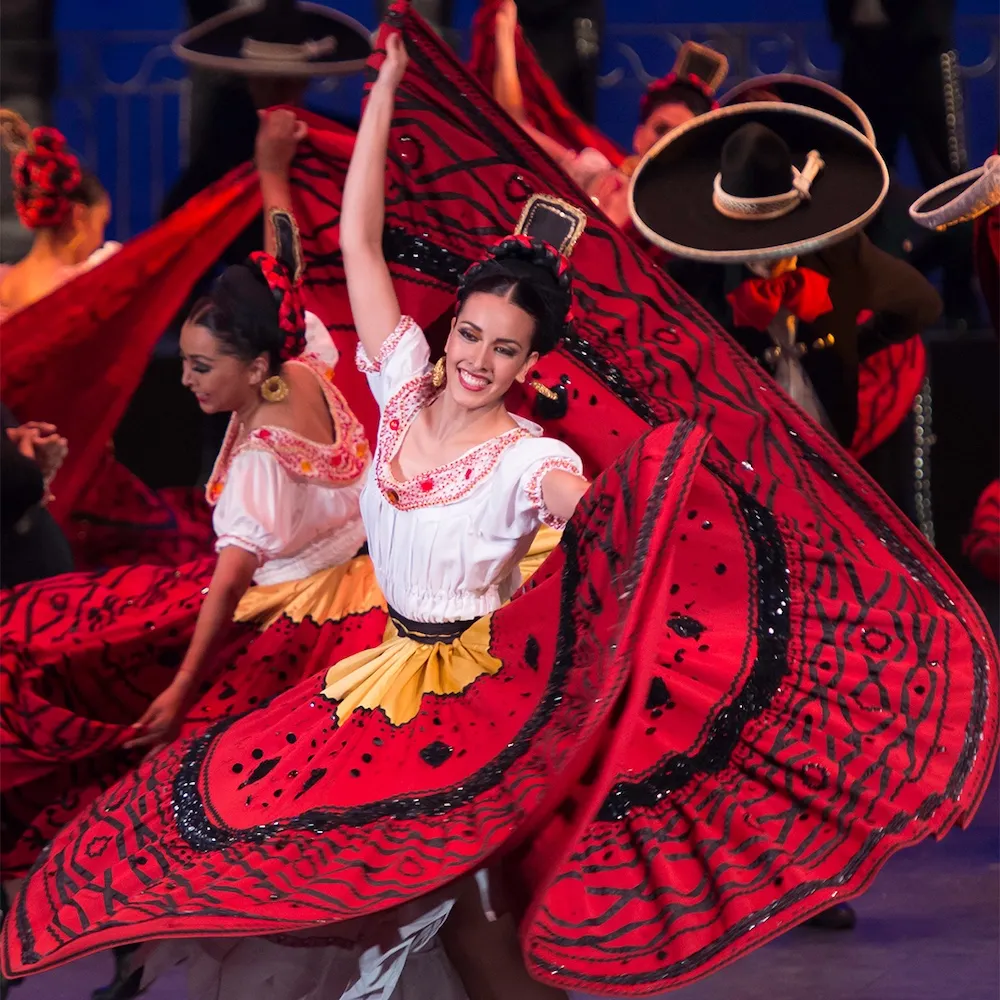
438	374
544	390
274	389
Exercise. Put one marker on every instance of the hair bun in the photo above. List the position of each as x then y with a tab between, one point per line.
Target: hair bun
522	258
288	297
45	175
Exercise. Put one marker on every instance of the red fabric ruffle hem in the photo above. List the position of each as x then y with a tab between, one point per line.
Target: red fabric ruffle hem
741	683
982	544
986	242
82	656
888	383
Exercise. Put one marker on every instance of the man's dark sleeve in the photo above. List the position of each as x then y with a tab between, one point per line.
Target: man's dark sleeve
21	484
903	301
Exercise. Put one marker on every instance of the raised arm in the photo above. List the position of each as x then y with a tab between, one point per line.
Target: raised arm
373	299
278	136
507	83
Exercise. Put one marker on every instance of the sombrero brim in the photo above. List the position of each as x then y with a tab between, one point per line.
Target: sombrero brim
808	93
217	43
959	199
670	196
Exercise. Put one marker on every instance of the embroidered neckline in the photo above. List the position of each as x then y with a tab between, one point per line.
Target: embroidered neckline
443	484
337	464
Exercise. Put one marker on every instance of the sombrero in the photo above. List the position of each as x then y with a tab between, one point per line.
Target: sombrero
757	182
959	199
790	88
278	38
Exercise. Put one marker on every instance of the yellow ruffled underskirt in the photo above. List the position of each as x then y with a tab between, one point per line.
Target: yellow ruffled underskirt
396	675
329	595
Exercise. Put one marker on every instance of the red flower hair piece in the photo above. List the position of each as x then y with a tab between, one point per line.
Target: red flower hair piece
288	295
45	175
656	90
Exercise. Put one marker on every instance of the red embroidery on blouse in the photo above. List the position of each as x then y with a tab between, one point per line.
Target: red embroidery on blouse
533	488
337	464
374	366
446	483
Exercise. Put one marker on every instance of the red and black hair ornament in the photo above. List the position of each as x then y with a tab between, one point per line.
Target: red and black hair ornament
696	75
287	294
544	238
45	174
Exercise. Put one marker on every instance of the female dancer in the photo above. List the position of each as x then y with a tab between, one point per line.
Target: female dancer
602	173
713	712
94	665
63	204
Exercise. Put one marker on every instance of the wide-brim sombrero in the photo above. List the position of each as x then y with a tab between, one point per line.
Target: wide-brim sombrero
959	199
325	43
791	88
671	192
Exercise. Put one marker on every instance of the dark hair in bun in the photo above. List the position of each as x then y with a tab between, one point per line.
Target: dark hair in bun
534	277
48	178
242	315
255	308
693	93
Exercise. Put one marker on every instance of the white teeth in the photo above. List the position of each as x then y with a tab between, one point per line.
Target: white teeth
472	381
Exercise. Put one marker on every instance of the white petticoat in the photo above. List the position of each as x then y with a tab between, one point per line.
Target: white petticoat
408	964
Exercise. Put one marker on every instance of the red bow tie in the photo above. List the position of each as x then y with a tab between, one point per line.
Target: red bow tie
803	292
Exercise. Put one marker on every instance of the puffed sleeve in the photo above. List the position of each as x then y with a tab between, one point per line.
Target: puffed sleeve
530	461
257	509
319	343
404	353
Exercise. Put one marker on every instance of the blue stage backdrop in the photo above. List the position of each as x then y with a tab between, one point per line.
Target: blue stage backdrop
123	97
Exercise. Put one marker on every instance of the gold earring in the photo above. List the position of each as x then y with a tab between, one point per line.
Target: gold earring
544	390
438	373
274	389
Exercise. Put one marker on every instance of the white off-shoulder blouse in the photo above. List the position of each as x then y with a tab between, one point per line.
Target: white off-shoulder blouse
292	502
446	545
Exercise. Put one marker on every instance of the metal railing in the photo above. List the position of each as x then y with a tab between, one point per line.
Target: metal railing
132	127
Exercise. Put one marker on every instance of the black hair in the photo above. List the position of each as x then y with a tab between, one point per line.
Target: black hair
242	314
679	92
532	277
90	191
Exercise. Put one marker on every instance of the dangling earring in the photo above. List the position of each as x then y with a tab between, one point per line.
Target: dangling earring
438	374
274	389
544	390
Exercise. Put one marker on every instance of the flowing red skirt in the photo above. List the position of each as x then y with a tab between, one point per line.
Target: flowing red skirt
742	682
83	655
982	544
120	521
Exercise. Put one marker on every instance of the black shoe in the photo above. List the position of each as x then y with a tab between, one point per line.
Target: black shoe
840	917
127	981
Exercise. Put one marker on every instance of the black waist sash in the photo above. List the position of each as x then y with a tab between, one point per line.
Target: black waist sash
428	632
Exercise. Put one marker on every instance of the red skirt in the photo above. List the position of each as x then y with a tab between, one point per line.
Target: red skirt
888	383
119	521
740	684
686	670
82	657
982	544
